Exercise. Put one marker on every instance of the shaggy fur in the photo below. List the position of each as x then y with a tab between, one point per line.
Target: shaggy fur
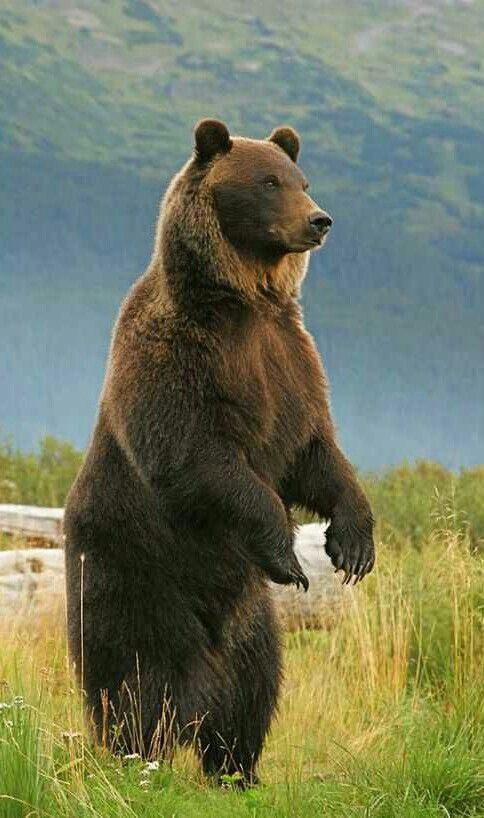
213	422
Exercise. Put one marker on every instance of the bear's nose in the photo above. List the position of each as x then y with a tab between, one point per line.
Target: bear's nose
320	222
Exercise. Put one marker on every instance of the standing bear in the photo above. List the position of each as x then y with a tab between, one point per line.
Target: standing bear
213	422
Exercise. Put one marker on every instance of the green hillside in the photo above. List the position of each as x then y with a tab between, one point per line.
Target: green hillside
97	103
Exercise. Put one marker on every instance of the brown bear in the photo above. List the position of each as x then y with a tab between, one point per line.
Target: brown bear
213	422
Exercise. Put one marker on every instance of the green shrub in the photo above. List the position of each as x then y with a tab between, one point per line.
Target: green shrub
40	478
469	494
409	500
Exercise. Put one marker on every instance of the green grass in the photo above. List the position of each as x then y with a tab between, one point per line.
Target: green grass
381	715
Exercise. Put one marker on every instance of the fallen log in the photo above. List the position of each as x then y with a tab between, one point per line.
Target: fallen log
32	522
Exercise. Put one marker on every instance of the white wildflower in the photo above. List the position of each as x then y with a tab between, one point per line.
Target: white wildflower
131	757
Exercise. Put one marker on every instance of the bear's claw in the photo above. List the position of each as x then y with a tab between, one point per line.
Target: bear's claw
293	574
301	579
351	549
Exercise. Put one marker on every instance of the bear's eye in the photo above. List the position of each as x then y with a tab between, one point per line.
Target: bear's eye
271	182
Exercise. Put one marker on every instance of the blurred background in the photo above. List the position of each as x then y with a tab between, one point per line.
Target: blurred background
98	99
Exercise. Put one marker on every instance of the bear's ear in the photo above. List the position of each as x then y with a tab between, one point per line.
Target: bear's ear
288	140
211	137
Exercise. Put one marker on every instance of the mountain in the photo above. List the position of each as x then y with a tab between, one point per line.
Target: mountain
98	99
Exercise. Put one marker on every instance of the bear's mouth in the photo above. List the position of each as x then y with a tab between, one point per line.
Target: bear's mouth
305	242
305	245
316	243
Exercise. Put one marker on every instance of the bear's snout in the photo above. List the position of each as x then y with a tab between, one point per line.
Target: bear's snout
320	223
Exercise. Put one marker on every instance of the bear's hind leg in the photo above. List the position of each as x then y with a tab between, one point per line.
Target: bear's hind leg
231	738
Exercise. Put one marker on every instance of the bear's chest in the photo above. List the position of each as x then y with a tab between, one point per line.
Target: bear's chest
271	387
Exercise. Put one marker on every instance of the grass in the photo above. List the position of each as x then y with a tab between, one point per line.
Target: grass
383	715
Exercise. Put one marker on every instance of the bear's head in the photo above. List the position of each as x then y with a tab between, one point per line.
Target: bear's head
239	211
260	194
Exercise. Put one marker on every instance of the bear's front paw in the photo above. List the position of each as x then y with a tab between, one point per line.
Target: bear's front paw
349	540
290	574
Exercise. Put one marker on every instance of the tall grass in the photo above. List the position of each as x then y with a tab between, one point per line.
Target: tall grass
382	715
24	759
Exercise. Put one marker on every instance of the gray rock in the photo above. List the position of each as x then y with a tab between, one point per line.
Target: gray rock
323	603
31	583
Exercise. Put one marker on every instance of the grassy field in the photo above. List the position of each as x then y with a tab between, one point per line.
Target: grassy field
383	715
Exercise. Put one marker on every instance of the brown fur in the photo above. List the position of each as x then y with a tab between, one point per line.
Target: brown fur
213	422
